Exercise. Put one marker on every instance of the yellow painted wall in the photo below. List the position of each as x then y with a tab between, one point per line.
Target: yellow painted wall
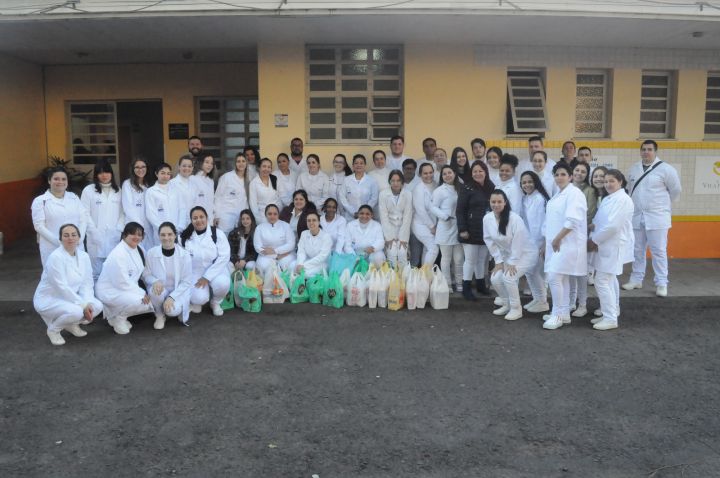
560	98
22	124
690	117
625	124
175	84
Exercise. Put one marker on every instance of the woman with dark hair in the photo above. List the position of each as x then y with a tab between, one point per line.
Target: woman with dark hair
231	195
358	189
210	252
396	212
286	180
543	170
132	194
535	199
579	284
334	224
119	287
493	156
103	201
364	237
313	181
296	213
183	189
341	169
65	298
381	172
274	242
55	207
565	244
424	221
597	179
473	203
168	278
161	202
509	183
508	242
444	208
252	155
203	185
460	163
242	249
314	247
263	190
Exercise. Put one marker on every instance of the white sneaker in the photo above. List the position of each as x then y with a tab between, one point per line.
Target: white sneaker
573	307
529	304
596	320
630	285
553	322
538	307
566	320
498	301
502	310
120	325
76	330
514	314
195	308
527	292
216	309
597	313
159	322
55	338
661	291
605	325
581	311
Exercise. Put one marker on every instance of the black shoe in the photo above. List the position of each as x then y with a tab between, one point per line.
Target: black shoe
481	287
467	291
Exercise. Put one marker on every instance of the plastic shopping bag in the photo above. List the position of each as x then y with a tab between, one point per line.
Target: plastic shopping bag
345	281
358	290
423	288
411	289
250	299
396	292
342	262
385	278
275	291
362	266
439	290
299	292
333	295
316	288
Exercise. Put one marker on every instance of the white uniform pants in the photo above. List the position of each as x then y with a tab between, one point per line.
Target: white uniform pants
97	264
560	290
506	286
475	261
227	221
608	291
656	240
578	290
397	254
63	314
157	302
220	286
427	238
536	281
455	255
130	305
264	263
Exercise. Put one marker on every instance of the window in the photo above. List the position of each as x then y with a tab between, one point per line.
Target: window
93	132
354	93
656	104
526	102
591	100
712	105
227	125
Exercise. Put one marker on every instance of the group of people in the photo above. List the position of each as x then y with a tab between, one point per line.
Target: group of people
169	246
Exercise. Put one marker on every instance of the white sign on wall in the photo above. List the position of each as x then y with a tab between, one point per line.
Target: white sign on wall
609	162
707	175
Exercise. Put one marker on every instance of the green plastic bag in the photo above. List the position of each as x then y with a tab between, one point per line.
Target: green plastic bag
298	291
316	288
228	303
251	299
362	266
285	276
333	295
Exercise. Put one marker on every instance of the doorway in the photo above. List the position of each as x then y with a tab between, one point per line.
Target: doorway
139	132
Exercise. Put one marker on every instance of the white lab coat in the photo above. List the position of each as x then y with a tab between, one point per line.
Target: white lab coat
161	205
422	207
513	192
410	187
107	220
337	180
336	230
613	233
444	206
533	213
231	198
381	178
548	181
316	186
210	260
356	192
313	252
526	165
203	189
185	197
286	187
298	168
260	196
494	174
396	215
359	237
392	163
133	204
281	238
182	278
65	289
515	247
49	213
567	209
118	288
654	195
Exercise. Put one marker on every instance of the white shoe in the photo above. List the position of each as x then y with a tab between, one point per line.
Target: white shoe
526	292
596	320
597	313
55	338
566	320
159	322
498	301
630	285
195	308
538	307
530	304
514	314
573	307
502	310
554	322
547	317
661	291
216	309
605	325
581	311
76	330
84	322
591	279
120	325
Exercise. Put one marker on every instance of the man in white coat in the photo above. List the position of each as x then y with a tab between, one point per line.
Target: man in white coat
397	156
653	185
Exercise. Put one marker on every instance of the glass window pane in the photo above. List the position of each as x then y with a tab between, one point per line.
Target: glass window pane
653	104
654	80
654	92
354	85
526	82
359	54
713	80
712	129
254	128
254	141
235	128
322	85
354	118
589	115
322	118
386	101
211	141
713	94
254	116
354	69
712	117
531	124
387	85
322	102
235	116
234	141
322	70
92	108
209	116
525	113
322	54
100	118
593	91
354	133
386	54
322	133
588	127
253	104
385	132
231	153
387	69
712	105
235	104
354	102
586	79
526	93
652	128
652	116
581	102
209	128
386	117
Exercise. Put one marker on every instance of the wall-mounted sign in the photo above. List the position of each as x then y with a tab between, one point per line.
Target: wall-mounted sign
281	120
178	131
609	162
707	175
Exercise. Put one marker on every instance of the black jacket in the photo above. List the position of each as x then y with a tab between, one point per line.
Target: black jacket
471	208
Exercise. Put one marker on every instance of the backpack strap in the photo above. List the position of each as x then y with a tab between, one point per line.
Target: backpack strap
213	233
649	170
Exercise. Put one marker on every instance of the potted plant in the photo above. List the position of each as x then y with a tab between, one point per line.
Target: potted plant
77	179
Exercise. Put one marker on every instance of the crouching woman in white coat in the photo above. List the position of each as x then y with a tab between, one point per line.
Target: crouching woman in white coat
65	297
118	286
509	243
168	277
396	212
613	239
364	237
314	247
209	250
274	242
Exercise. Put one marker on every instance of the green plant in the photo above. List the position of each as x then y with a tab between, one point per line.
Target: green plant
77	179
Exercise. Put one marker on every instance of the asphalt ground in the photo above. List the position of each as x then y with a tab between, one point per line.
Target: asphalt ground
303	390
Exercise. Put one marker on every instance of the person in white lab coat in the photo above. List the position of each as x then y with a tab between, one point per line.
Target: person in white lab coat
364	237
297	160
341	169
231	195
653	186
535	143
65	297
334	224
242	249
103	201
440	159
274	242
252	156
493	156
565	235
133	197
509	243
535	199
55	207
314	182
358	189
597	179
161	203
424	221
396	211
444	208
168	278
295	213
397	156
118	286
509	184
263	190
210	253
314	248
410	177
612	238
184	194
286	180
381	172
539	161
203	185
579	284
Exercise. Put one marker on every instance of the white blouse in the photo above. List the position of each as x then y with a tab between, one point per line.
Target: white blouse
336	230
285	187
514	247
444	206
316	186
203	189
279	236
260	196
361	236
396	215
314	251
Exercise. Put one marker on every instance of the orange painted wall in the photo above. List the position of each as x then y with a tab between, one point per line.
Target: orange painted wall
694	240
15	220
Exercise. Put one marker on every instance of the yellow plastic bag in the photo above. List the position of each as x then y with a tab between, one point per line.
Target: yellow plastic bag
396	292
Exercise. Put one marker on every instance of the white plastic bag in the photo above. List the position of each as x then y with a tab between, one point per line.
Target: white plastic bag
411	290
345	281
275	290
423	288
358	290
384	280
374	286
439	290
